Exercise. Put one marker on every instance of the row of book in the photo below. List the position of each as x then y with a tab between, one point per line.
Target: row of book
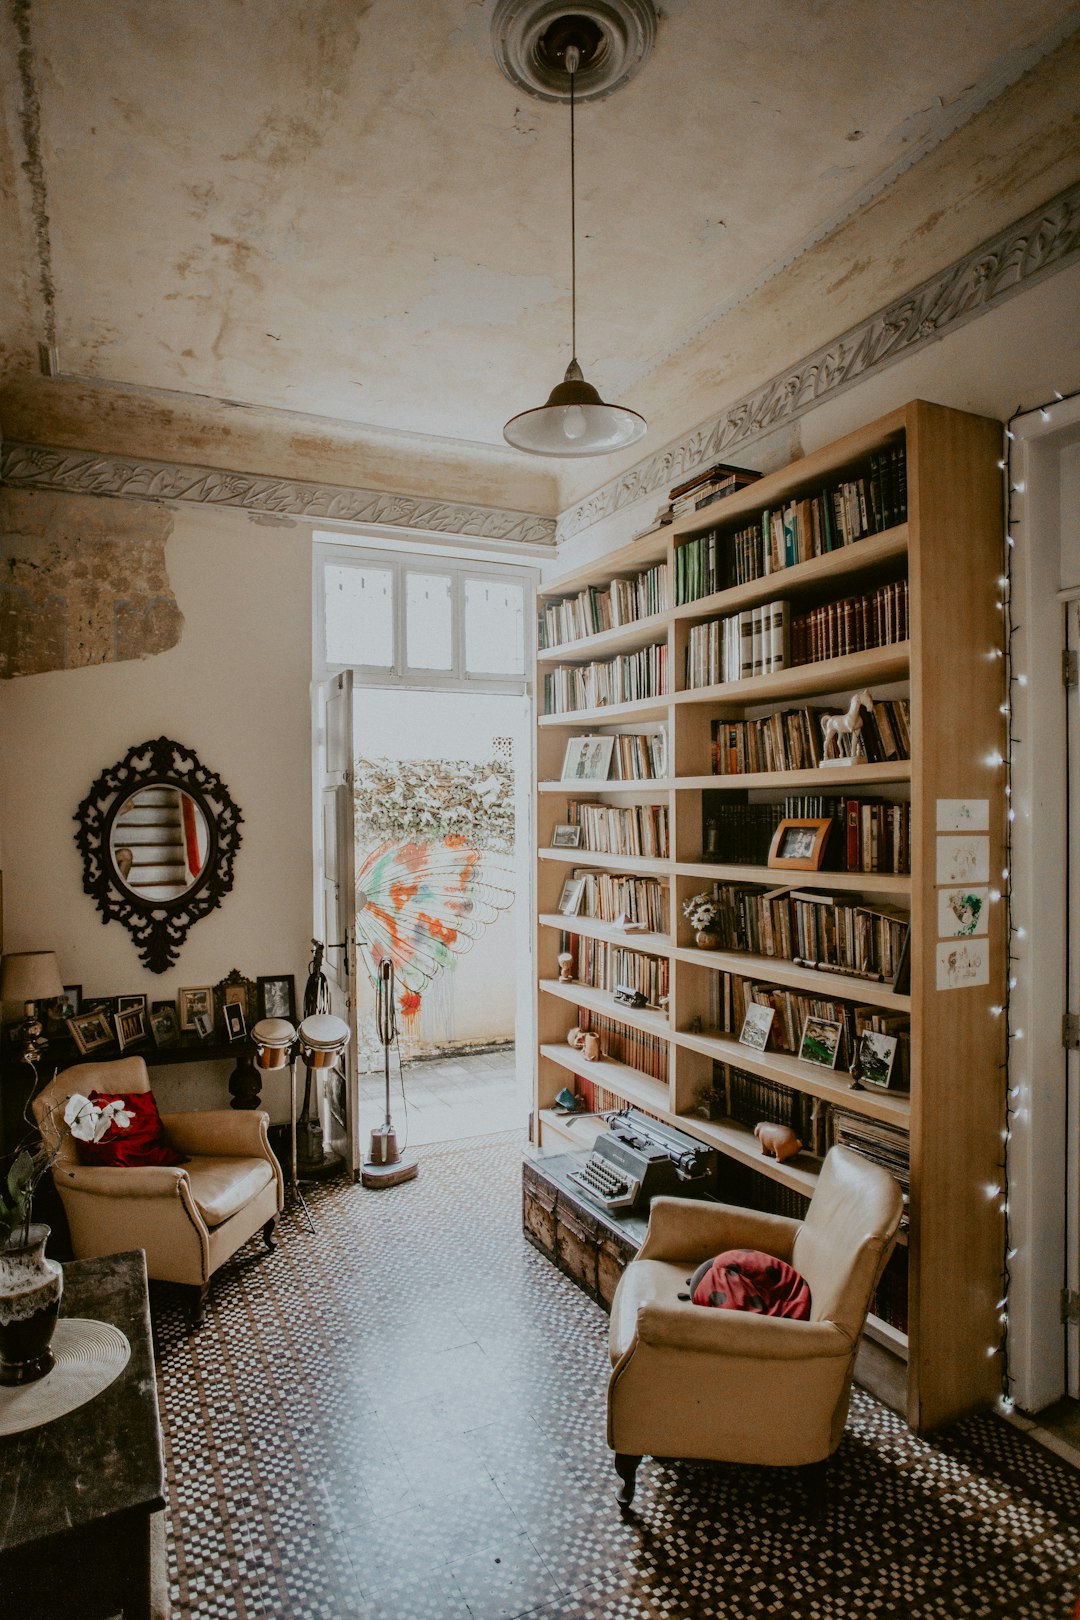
605	607
604	966
731	993
639	756
868	835
612	897
634	1047
875	1139
754	642
793	739
826	521
632	829
877	618
641	674
813	930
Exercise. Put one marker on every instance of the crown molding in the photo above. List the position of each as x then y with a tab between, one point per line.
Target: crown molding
80	473
1044	241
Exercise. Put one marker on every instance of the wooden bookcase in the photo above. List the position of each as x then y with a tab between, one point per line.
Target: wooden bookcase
952	671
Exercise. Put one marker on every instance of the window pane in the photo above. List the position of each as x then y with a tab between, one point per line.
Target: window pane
494	627
429	623
360	615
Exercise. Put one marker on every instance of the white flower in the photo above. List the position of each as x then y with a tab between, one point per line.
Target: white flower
89	1122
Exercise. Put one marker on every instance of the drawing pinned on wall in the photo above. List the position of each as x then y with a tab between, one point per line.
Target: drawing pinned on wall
962	966
962	912
963	815
963	859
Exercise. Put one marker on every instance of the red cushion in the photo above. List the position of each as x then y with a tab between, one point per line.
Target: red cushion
747	1280
142	1142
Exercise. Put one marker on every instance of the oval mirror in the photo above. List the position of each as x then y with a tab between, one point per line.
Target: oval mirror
159	842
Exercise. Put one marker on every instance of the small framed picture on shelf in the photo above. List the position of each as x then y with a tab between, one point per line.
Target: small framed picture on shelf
877	1059
192	1001
130	1003
130	1026
566	836
163	1025
91	1031
572	894
799	843
756	1026
820	1042
588	759
277	996
202	1024
64	1007
233	1014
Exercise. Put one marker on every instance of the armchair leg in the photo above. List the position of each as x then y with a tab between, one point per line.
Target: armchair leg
626	1467
197	1294
268	1233
814	1478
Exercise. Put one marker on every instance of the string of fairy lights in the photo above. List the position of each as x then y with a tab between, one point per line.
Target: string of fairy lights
1015	1082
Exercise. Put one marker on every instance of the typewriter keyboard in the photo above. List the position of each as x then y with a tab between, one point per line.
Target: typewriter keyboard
604	1184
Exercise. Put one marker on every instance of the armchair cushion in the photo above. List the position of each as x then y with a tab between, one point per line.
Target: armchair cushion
141	1142
221	1186
748	1280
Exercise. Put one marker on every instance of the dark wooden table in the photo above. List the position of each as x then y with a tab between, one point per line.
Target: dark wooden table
78	1496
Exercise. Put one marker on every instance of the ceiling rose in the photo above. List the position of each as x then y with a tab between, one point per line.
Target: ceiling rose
527	41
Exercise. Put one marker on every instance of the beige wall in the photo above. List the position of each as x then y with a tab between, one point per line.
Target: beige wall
236	689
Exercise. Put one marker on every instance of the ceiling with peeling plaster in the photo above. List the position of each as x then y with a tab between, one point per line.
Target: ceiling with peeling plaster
342	211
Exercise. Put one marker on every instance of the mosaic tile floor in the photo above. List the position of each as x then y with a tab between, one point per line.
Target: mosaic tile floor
401	1417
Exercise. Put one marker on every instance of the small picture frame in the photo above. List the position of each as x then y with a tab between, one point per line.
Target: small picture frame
130	1026
163	1025
572	894
91	1031
64	1007
756	1026
820	1042
877	1059
235	1028
566	836
193	1001
130	1003
277	996
799	843
202	1024
587	759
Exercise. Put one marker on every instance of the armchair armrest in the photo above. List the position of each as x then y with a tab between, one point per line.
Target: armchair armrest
122	1181
233	1132
690	1230
684	1326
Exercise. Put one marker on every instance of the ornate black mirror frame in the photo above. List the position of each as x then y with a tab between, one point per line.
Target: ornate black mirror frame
158	927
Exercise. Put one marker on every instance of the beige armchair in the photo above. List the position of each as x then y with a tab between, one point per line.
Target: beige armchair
188	1218
733	1386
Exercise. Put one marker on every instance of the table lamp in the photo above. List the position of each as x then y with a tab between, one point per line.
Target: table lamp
31	977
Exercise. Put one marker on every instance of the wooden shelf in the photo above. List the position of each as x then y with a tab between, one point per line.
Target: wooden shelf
630	1084
603	1002
635	865
805	680
578	790
604	643
862	556
831	1085
811	981
819	779
897	884
739	1142
593	928
885	1334
611	714
635	558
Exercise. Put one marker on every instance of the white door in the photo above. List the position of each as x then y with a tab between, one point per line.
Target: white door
335	884
1072	1105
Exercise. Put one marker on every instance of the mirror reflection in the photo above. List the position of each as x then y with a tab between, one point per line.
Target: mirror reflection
159	842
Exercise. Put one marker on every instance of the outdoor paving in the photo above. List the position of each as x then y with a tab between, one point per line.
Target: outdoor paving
468	1094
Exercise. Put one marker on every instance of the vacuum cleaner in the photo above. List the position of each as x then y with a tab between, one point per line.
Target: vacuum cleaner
385	1166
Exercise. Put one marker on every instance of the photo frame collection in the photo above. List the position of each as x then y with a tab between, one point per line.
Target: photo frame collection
128	1023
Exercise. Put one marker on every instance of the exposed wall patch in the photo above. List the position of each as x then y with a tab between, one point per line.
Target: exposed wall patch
34	168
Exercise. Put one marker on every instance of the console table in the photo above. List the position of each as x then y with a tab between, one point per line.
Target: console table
81	1527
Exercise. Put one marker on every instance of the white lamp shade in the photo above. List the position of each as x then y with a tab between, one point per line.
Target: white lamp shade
574	422
30	976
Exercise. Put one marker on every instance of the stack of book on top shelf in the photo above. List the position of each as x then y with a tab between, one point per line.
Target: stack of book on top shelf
711	484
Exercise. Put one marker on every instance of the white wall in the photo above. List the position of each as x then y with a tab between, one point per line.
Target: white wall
235	689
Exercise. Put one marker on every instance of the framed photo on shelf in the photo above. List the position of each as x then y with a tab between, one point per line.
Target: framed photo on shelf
799	843
820	1042
203	1025
130	1003
235	1028
192	1001
588	759
163	1025
756	1026
130	1026
572	893
277	996
877	1059
566	836
91	1031
64	1007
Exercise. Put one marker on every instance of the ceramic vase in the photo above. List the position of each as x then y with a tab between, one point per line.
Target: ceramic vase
705	939
30	1290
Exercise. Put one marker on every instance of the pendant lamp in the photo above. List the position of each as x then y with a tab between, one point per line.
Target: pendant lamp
575	421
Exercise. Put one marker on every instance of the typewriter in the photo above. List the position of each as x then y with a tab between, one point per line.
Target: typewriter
637	1158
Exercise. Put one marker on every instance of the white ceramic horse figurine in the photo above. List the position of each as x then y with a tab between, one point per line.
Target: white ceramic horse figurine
834	726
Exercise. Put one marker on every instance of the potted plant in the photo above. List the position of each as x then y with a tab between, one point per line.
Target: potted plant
702	911
30	1284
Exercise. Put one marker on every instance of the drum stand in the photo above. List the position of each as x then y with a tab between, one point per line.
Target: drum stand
294	1179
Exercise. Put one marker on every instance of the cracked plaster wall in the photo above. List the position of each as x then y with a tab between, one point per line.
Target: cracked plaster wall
82	582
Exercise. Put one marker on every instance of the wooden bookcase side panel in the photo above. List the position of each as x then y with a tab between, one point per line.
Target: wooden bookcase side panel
954	493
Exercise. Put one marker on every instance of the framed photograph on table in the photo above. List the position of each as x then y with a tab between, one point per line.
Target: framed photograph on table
566	836
820	1042
756	1026
235	1027
163	1025
799	843
130	1027
64	1007
877	1059
91	1031
277	996
587	759
193	1001
130	1003
571	897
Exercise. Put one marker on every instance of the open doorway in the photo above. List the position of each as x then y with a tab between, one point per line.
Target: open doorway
440	793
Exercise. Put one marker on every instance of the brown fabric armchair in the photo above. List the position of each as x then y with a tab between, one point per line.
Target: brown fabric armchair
188	1218
693	1381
